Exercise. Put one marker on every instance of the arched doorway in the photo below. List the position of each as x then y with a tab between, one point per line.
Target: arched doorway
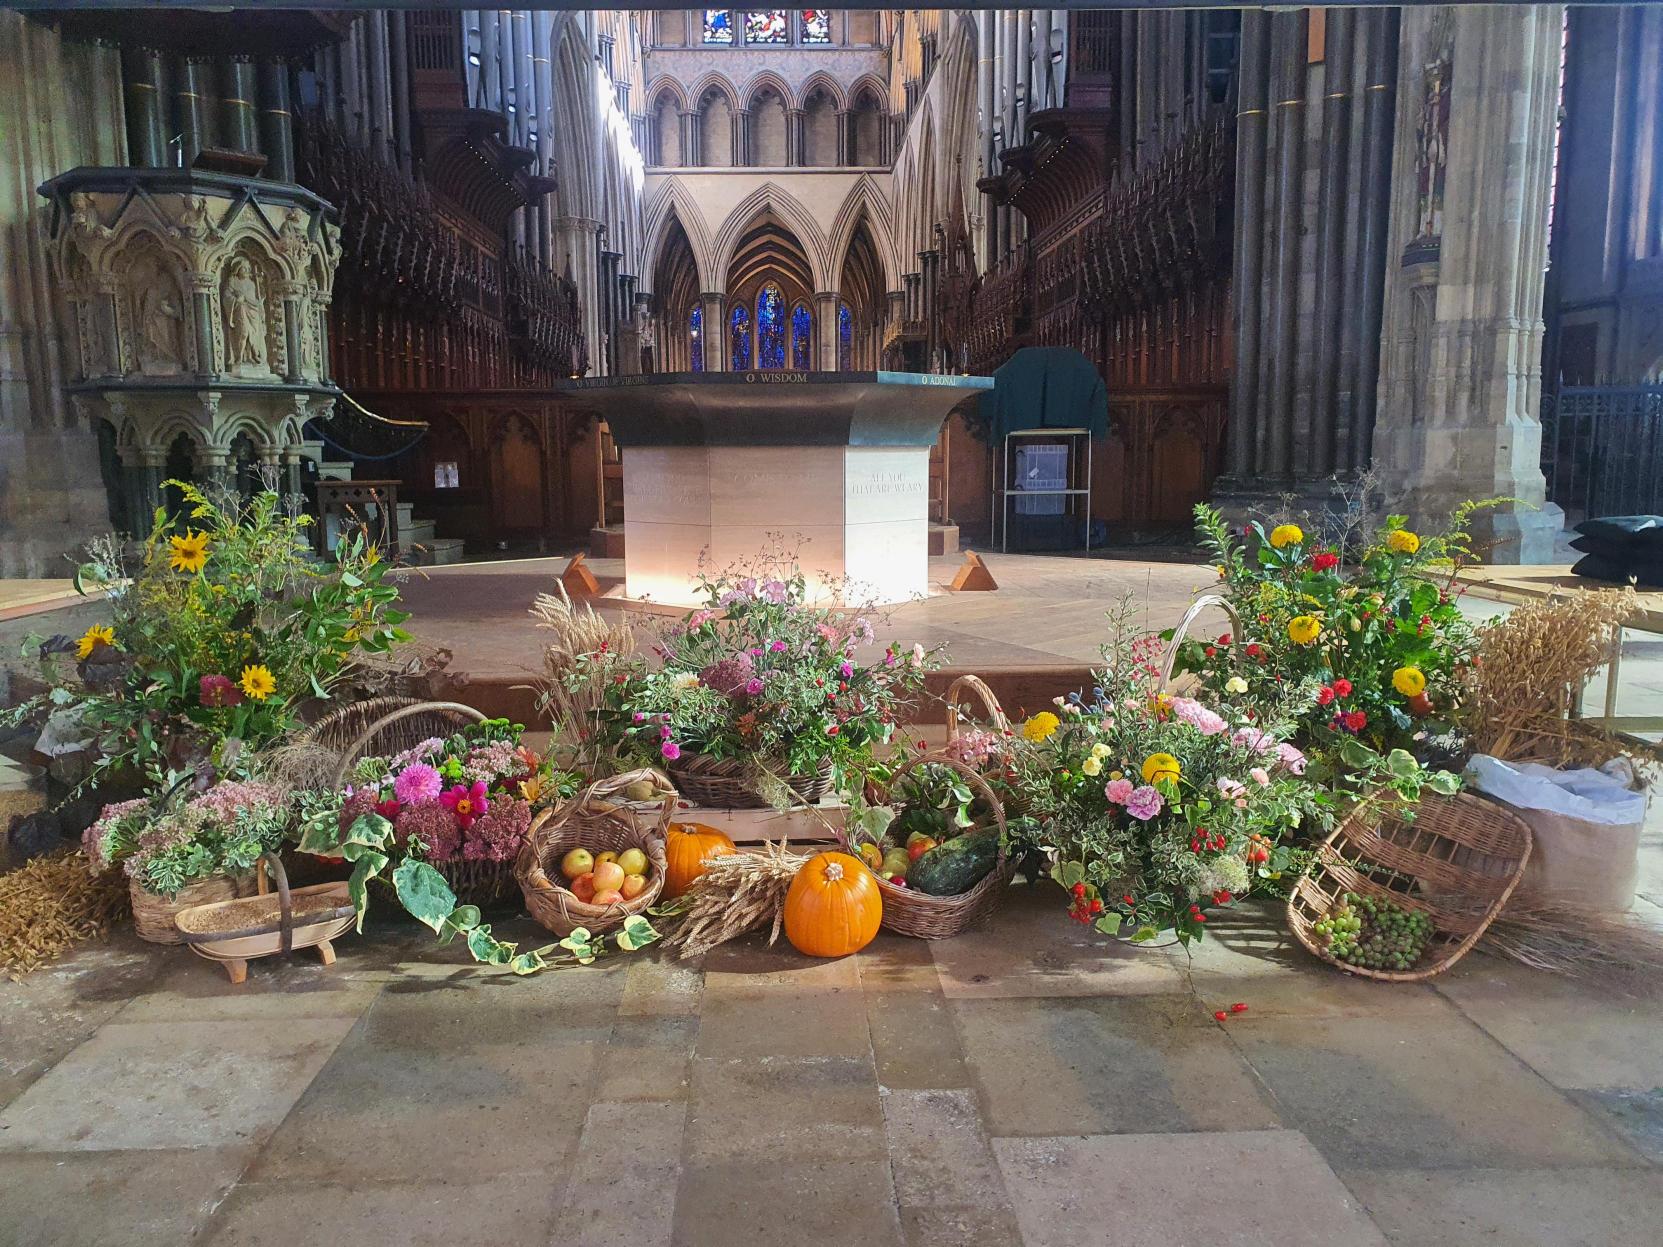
769	282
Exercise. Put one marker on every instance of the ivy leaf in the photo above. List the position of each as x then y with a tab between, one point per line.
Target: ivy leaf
424	893
581	945
367	864
370	829
636	933
1401	763
465	917
1072	873
1358	756
1446	783
528	963
1109	924
486	948
1144	934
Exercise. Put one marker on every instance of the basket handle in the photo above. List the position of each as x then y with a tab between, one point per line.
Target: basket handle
1170	658
351	754
285	901
613	784
975	685
968	773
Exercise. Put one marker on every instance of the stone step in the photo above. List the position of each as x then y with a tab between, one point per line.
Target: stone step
415	532
439	552
335	470
406	514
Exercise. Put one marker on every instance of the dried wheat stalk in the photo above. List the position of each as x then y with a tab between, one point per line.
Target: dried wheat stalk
736	894
1620	950
52	903
576	631
1532	665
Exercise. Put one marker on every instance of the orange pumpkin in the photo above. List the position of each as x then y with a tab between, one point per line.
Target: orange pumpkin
833	906
685	849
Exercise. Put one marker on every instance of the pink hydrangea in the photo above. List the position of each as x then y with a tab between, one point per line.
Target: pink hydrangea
1120	791
93	839
434	826
224	801
500	759
417	783
1228	787
496	836
1144	803
356	805
1260	776
973	748
1198	716
730	675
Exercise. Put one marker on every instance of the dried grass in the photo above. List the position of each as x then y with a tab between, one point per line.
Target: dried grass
1616	950
736	894
570	703
50	904
1532	666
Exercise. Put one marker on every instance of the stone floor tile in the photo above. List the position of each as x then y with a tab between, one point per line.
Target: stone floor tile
430	1211
136	1199
787	1024
765	1111
622	1190
915	1040
385	1113
763	1202
947	1226
1417	1092
1231	1189
655	985
750	965
1636	1115
1575	1035
648	1058
898	963
938	1150
1513	1208
569	1005
171	1085
1030	949
192	989
1106	1067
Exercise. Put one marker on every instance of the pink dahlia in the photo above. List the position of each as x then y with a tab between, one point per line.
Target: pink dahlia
418	783
466	803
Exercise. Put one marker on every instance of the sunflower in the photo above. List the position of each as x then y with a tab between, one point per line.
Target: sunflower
257	682
1040	726
1304	629
1159	766
190	552
1410	681
1286	535
1402	541
92	638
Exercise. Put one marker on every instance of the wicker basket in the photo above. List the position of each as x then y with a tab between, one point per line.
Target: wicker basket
593	822
975	686
261	936
725	783
1457	861
925	917
1207	600
153	915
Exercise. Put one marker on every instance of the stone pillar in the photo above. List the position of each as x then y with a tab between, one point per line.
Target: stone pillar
202	320
794	154
293	295
845	119
825	331
1461	367
1251	128
715	331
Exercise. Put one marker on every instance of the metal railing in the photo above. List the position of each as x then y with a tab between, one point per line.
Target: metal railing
1602	449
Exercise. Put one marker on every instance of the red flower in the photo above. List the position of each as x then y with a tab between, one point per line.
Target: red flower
1224	638
466	803
218	690
1211	652
1325	696
1253	649
1327	561
388	809
1356	720
1342	687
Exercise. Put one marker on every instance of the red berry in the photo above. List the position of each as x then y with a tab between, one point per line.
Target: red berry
1238	1007
1201	917
1222	1016
1097	907
1079	889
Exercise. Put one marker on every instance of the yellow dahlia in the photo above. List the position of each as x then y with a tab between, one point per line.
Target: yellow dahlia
1304	629
1402	541
1159	766
92	638
1410	681
1040	726
1286	535
190	552
257	682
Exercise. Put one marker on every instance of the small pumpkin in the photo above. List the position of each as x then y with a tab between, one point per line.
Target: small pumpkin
833	906
686	847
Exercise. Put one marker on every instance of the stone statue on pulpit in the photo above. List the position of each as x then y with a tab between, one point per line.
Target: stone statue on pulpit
160	321
245	318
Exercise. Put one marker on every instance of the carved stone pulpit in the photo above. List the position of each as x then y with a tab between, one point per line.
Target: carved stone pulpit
195	318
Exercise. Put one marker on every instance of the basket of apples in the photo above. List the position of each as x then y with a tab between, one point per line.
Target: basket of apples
594	861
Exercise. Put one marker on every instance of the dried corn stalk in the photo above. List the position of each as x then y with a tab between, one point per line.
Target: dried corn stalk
52	903
1532	665
737	893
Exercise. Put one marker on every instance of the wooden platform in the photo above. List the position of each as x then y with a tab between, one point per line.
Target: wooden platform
32	597
1520	584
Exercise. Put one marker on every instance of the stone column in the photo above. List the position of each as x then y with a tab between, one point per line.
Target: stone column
1461	368
202	320
825	327
715	331
845	119
293	295
1251	130
794	154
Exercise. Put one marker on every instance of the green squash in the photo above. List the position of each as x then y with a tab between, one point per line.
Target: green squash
955	866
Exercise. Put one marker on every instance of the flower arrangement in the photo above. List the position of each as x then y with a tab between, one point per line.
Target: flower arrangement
226	627
1157	808
1375	650
165	846
757	673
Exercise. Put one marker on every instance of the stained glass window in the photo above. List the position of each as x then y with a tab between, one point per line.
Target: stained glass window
718	25
816	25
802	338
770	327
845	338
695	338
767	26
740	336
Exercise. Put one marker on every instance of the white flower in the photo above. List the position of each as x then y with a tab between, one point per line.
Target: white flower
684	680
1235	684
1100	750
917	655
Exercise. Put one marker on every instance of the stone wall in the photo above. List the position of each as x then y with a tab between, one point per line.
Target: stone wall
61	108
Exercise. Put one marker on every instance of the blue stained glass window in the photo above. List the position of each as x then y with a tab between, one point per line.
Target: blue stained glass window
740	336
718	25
695	338
816	25
845	338
802	338
767	26
770	327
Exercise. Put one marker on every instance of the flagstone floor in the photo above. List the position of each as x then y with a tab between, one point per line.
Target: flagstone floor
1022	1084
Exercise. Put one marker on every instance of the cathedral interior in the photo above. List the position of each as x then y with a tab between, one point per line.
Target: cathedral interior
1299	248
